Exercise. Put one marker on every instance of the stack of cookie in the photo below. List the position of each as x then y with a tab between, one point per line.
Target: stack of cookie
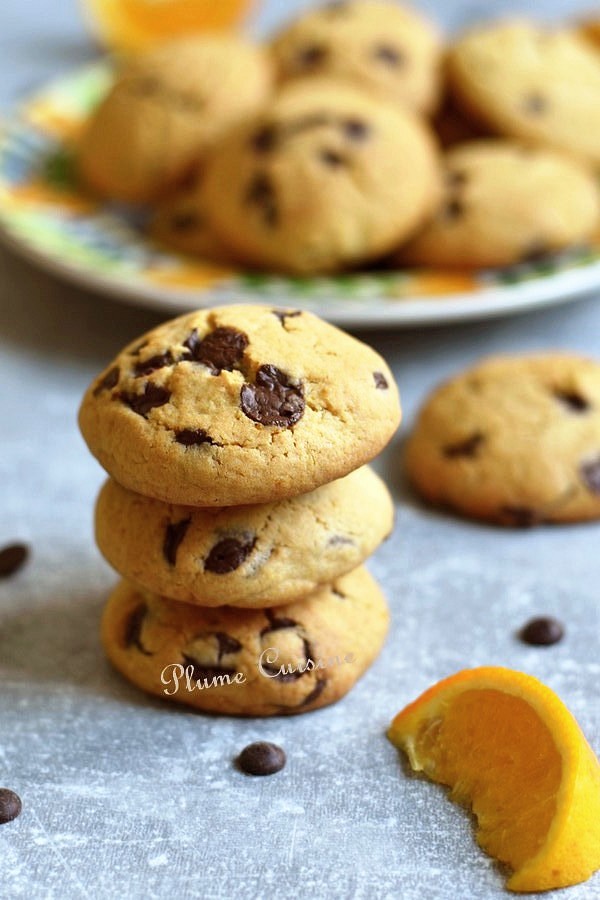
239	508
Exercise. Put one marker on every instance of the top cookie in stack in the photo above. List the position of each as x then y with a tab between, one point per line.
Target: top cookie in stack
239	405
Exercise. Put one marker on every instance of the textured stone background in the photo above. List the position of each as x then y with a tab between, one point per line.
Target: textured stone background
125	797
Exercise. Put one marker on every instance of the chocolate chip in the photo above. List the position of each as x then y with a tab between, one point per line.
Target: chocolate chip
356	129
280	623
155	362
12	558
273	399
316	692
332	158
391	56
10	805
201	668
228	555
221	349
468	447
520	516
312	55
227	644
132	636
283	314
339	540
542	631
572	399
277	622
152	396
453	209
590	473
380	380
261	758
186	221
108	381
191	437
261	193
174	535
264	140
201	671
535	104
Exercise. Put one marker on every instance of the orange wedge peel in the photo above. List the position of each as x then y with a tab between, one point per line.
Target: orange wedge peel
510	750
131	25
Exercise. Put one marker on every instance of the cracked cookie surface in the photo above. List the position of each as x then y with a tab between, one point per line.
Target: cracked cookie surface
325	178
515	440
506	203
389	50
238	405
165	111
248	556
340	629
525	81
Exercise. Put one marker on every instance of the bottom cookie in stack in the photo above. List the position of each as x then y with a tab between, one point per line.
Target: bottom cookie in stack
262	662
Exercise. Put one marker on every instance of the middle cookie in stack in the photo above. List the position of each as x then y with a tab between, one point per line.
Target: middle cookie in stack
241	508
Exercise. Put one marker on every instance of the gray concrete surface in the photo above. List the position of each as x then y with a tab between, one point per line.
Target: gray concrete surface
124	797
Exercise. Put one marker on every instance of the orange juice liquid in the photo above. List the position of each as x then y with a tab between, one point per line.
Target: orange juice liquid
136	24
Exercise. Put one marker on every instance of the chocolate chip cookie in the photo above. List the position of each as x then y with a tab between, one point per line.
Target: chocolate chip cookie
515	440
239	404
166	109
325	178
389	50
525	81
249	556
280	661
506	203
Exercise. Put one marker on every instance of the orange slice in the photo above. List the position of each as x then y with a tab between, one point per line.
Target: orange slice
136	24
511	750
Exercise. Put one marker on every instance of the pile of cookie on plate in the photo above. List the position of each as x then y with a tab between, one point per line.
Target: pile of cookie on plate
357	137
240	508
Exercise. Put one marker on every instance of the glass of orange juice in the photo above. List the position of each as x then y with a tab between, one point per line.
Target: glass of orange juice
129	25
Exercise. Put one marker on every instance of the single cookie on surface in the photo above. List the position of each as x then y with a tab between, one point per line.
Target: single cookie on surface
525	81
515	440
166	109
389	50
237	405
325	178
245	662
249	556
506	203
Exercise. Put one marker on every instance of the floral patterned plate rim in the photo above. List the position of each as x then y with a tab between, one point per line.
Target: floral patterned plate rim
45	216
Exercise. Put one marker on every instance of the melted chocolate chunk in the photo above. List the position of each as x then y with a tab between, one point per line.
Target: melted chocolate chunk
332	158
337	593
132	636
261	758
108	381
468	447
590	474
186	221
520	516
356	129
152	396
222	349
542	632
160	361
316	692
380	381
10	805
228	555
174	535
225	646
535	104
391	56
273	399
261	193
12	558
265	139
313	55
573	400
201	671
279	623
453	209
194	437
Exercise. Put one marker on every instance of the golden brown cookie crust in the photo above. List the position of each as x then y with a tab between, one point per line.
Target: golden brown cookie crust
239	404
247	556
514	440
154	641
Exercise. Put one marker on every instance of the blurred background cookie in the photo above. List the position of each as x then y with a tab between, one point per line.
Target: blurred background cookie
167	107
391	50
506	203
326	178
